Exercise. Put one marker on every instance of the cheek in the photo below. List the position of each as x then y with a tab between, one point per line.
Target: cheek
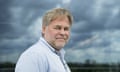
51	34
68	34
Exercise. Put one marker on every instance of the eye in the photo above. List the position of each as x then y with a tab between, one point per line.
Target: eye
57	28
66	28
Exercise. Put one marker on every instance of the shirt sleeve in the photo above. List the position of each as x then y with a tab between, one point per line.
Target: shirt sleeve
31	63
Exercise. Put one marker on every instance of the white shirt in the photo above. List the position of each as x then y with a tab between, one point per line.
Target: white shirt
41	57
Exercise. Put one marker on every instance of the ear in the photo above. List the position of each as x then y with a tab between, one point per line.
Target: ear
43	29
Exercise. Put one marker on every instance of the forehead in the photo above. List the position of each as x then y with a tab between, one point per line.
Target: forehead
60	22
61	19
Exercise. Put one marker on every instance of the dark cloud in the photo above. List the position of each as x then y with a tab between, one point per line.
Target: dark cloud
4	17
4	14
95	19
81	9
27	12
16	19
40	4
5	28
7	31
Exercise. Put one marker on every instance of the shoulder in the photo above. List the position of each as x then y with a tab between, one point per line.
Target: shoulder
36	50
32	60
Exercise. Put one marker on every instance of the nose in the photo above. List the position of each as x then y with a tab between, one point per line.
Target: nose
62	31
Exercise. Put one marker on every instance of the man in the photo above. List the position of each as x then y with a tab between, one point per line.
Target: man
47	55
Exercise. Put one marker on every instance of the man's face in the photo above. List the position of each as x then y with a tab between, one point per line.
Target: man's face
57	32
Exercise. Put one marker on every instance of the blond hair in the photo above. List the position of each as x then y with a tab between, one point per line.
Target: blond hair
55	13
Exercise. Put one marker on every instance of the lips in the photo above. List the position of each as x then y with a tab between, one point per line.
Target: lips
61	39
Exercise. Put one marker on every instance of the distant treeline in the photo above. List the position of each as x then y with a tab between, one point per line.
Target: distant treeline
88	66
81	67
7	65
93	66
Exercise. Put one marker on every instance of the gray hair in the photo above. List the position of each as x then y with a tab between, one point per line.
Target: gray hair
55	13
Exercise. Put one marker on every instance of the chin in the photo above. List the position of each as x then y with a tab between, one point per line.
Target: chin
60	46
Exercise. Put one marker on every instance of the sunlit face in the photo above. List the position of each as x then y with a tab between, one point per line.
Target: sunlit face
57	32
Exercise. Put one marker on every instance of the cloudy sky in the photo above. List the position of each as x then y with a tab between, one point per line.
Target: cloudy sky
95	33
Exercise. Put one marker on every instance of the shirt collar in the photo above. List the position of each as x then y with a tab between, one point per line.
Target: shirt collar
61	52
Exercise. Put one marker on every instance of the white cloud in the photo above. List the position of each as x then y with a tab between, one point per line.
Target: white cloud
36	27
66	1
97	8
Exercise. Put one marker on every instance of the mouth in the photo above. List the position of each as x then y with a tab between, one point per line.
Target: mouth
61	39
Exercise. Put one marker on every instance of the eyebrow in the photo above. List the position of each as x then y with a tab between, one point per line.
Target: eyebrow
60	25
